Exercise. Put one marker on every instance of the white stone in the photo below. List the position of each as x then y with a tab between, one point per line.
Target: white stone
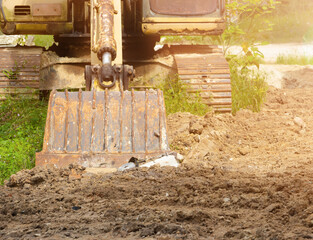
127	166
299	121
180	157
163	162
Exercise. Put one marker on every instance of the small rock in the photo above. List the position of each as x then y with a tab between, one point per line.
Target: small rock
273	207
226	200
37	179
299	121
235	199
244	151
180	157
164	161
209	115
127	166
195	127
75	208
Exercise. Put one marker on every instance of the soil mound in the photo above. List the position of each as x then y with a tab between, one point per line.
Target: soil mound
40	175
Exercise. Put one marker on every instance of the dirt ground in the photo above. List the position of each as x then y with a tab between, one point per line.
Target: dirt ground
248	176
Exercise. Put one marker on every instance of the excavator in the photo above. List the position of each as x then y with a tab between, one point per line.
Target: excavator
108	124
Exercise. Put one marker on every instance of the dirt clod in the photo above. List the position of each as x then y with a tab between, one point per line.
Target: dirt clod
195	127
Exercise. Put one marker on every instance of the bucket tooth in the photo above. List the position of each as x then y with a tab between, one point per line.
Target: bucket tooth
103	129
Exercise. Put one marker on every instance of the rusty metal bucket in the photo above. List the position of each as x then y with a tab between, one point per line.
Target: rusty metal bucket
103	129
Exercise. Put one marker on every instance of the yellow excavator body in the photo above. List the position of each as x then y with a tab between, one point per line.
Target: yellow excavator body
107	125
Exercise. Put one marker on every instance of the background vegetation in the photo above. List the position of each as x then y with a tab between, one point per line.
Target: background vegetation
292	22
294	59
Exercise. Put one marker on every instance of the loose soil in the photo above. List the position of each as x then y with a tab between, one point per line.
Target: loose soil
248	176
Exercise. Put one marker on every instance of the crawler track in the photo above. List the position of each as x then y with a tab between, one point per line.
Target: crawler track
19	71
205	70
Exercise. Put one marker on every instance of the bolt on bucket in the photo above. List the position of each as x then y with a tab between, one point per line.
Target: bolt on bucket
103	129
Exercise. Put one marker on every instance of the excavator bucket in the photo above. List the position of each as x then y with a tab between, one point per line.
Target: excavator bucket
104	128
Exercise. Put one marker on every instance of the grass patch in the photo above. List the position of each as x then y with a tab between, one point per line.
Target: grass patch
22	125
292	59
178	100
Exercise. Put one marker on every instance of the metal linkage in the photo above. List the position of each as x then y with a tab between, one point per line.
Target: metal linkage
107	76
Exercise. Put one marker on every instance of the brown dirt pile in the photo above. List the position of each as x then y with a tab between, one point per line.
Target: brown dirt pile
277	139
248	176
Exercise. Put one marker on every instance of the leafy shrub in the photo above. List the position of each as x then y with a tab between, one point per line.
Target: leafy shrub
22	125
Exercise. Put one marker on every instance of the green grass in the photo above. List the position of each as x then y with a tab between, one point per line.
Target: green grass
22	124
178	100
293	59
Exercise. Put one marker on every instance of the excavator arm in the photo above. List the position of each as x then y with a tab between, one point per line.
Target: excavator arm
108	125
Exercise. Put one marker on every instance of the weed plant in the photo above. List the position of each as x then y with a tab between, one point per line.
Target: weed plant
177	99
22	125
293	59
249	86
